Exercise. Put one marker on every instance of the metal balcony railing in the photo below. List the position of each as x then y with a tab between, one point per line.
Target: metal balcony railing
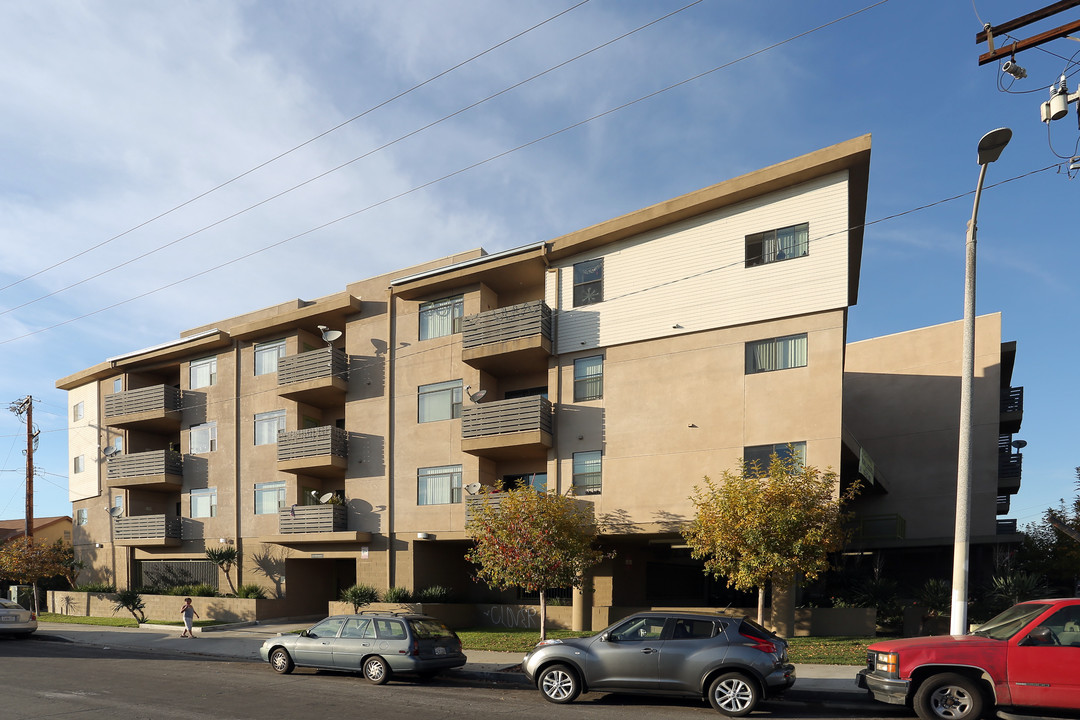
507	416
312	365
313	442
312	519
1010	465
1006	527
1012	401
881	527
154	462
509	323
148	399
147	527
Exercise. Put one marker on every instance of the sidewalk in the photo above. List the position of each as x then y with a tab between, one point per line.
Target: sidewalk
832	684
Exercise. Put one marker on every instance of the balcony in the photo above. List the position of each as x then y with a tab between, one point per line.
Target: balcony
159	470
495	499
1010	466
1003	504
1006	527
510	340
1012	409
317	377
518	428
317	452
147	531
154	409
303	524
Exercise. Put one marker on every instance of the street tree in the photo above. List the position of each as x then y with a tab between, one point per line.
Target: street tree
777	524
1051	547
26	562
532	540
224	557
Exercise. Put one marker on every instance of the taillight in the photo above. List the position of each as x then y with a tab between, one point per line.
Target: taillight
759	644
415	647
33	615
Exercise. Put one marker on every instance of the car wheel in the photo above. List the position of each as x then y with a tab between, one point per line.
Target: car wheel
734	694
948	696
280	661
559	684
376	670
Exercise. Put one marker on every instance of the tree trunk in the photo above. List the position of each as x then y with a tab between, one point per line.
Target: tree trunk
543	615
761	605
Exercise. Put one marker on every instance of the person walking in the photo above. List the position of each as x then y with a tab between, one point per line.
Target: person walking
188	611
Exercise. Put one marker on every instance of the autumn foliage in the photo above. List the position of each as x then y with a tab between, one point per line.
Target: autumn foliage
532	540
755	525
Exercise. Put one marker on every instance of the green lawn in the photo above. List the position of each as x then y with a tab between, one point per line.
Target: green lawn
815	650
115	621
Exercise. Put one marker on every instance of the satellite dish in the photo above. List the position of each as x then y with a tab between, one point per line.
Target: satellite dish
472	488
328	335
110	451
325	498
116	511
1019	444
475	397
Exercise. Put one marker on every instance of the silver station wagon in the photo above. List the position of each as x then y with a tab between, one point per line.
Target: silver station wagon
376	644
15	620
731	662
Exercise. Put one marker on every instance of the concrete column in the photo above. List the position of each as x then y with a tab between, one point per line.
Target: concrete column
581	616
783	607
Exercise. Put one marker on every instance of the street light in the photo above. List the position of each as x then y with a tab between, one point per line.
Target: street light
990	147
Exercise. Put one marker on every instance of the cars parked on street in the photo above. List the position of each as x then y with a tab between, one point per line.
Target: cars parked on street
731	662
1026	657
378	645
15	620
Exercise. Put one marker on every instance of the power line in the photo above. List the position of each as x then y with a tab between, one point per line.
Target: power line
440	179
345	164
279	156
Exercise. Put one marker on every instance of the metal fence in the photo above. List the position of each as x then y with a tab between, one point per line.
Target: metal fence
170	573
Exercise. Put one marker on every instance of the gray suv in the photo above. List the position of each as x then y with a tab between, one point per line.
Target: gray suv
376	644
732	662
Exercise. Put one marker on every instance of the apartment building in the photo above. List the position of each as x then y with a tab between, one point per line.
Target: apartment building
340	440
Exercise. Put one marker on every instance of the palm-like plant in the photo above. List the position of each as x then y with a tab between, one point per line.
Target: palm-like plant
131	601
1017	586
224	557
359	595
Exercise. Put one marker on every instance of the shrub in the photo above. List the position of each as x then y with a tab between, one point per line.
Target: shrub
433	594
200	590
131	601
397	595
251	590
936	596
359	595
96	588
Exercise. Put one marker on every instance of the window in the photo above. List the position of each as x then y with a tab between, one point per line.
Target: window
780	353
80	516
438	485
692	629
118	444
118	502
118	384
587	473
589	282
761	455
589	378
77	410
203	373
358	628
204	503
79	463
328	628
203	438
267	356
441	401
538	481
776	245
440	318
267	426
269	497
641	628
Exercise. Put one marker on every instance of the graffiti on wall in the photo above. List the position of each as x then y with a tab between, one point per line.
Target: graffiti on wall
511	616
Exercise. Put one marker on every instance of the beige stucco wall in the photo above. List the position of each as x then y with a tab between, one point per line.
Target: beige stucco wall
902	400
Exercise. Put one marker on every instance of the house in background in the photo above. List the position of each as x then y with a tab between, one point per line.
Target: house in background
340	440
46	529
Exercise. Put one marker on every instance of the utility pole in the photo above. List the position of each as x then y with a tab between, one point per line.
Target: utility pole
19	407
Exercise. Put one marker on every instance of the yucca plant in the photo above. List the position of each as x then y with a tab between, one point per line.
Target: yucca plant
131	601
359	595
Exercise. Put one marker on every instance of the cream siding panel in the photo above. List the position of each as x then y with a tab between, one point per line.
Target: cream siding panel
692	274
83	440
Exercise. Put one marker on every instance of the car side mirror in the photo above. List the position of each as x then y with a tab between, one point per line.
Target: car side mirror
607	637
303	633
1039	636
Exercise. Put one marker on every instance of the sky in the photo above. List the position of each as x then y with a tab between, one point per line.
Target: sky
165	165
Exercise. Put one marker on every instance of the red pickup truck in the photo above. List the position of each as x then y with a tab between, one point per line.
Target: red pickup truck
1025	659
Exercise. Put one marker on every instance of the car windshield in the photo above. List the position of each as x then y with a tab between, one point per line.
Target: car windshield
430	630
1010	622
